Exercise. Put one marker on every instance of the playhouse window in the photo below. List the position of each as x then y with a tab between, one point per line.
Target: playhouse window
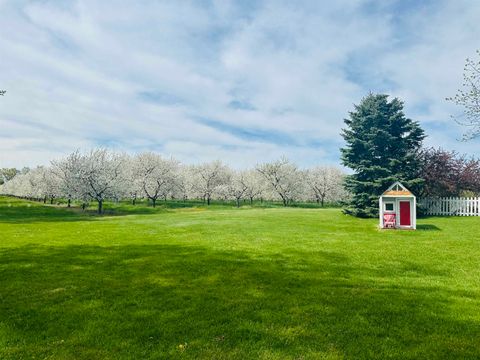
389	206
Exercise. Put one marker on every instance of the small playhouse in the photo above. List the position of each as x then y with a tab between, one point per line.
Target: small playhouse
398	208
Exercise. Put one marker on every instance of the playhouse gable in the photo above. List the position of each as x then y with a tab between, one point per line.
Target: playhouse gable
397	189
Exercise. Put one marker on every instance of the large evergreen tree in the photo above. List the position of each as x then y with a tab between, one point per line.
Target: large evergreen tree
382	146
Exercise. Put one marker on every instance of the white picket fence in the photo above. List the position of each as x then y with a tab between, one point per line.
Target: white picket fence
451	206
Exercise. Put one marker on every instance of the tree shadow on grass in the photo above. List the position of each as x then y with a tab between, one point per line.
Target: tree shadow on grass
21	211
17	211
28	212
143	301
428	227
14	210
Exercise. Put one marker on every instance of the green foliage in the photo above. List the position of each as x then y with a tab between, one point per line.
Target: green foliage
227	283
382	146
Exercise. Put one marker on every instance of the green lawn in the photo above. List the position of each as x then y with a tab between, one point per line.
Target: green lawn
226	283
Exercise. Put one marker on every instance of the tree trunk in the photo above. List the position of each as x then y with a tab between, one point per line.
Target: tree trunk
45	200
251	201
134	201
69	202
208	200
83	206
238	203
323	201
51	201
154	202
100	206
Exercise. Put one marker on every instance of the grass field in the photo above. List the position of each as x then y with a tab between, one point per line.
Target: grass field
226	283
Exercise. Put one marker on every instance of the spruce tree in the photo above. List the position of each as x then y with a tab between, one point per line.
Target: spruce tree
382	146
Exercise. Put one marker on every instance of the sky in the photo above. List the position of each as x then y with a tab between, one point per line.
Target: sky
240	81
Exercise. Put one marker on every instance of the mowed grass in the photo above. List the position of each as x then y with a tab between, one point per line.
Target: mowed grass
226	283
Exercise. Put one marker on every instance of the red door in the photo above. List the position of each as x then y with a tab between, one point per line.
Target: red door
405	213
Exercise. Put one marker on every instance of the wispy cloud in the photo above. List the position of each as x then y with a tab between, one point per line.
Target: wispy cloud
277	77
251	134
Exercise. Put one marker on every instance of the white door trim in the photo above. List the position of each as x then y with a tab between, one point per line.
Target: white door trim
411	214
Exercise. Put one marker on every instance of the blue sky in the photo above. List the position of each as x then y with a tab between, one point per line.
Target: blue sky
240	81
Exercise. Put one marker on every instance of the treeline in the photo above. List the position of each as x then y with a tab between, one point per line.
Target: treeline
101	175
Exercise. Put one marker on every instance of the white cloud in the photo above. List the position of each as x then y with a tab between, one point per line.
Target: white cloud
75	73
